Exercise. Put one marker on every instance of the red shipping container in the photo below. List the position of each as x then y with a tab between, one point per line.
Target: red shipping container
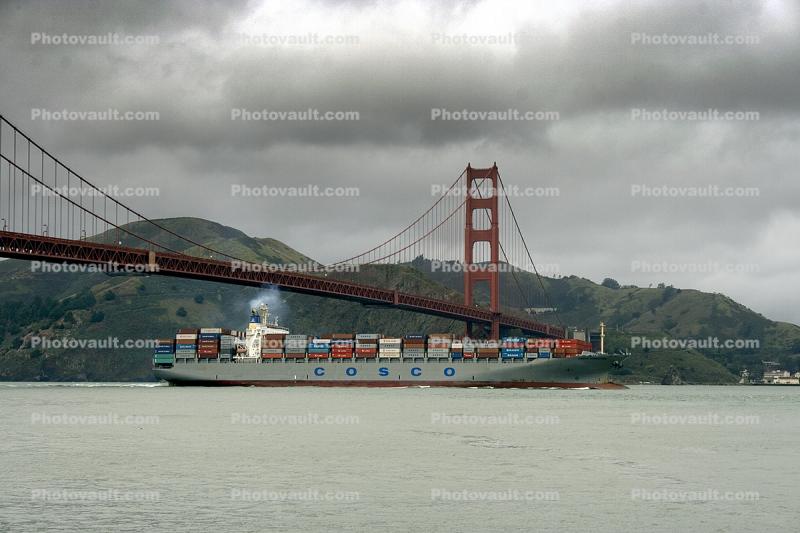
341	355
271	356
271	343
317	355
295	356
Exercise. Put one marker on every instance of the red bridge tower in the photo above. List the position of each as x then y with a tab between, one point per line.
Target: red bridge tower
482	198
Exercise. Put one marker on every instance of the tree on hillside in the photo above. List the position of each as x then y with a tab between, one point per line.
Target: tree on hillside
610	283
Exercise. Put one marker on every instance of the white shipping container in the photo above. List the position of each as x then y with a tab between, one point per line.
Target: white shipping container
186	336
210	330
390	340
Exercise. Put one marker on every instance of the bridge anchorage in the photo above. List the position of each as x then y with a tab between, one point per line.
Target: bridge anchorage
470	237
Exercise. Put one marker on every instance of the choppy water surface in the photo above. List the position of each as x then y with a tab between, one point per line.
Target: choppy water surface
97	457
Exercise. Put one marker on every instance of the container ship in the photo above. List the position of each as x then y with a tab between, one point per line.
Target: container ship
267	355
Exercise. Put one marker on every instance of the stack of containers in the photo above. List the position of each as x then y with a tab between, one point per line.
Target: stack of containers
439	345
544	352
272	345
389	347
227	347
414	345
487	349
186	343
457	349
208	343
512	348
571	347
295	346
164	352
469	348
532	348
319	348
342	345
367	345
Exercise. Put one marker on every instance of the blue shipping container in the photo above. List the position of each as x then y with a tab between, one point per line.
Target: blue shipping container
544	355
185	346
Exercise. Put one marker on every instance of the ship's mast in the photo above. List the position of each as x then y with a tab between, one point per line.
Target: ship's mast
602	337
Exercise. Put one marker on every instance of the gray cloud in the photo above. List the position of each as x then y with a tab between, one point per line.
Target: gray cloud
586	69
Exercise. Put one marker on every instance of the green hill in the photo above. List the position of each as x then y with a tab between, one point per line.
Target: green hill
81	306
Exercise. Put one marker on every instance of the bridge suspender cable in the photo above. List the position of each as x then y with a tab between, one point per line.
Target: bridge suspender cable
104	195
527	251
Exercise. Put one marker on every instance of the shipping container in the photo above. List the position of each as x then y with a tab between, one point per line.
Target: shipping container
186	346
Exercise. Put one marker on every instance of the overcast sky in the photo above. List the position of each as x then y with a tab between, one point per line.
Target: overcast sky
605	68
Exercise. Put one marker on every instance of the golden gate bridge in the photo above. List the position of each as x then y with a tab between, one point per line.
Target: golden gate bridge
48	212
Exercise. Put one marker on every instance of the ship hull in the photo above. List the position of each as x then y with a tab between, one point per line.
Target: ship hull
576	372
